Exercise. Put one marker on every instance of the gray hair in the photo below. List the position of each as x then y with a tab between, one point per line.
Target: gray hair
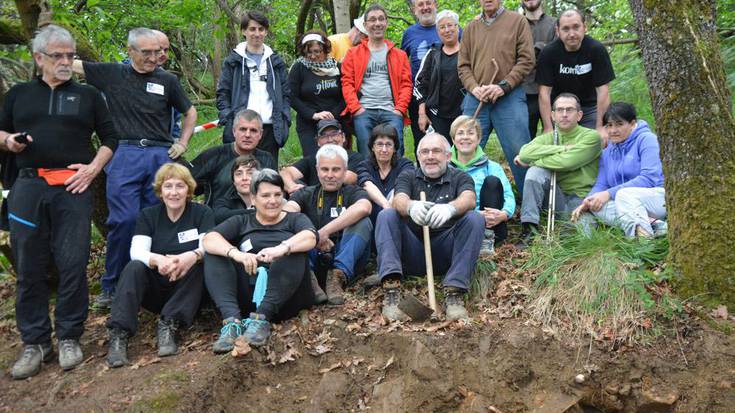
447	14
49	34
443	140
268	176
137	33
332	151
248	115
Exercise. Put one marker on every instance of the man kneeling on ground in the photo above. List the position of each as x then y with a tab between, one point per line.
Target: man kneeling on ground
573	158
456	229
341	214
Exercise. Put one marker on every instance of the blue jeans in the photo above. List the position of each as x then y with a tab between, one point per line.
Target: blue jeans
366	121
454	251
509	117
130	176
351	253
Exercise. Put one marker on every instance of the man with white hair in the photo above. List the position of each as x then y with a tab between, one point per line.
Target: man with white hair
341	214
456	229
140	96
47	124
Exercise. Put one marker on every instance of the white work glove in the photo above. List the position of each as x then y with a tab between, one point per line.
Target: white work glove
176	150
417	210
439	214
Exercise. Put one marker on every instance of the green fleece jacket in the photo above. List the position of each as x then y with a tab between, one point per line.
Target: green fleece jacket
574	158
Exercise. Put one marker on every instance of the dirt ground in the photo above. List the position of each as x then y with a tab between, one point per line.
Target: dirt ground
341	359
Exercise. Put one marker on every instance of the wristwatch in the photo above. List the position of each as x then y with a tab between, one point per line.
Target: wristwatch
505	86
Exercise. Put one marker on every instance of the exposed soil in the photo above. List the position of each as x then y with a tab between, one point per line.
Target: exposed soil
349	359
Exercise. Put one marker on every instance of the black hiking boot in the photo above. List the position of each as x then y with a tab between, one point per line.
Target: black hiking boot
166	335
528	233
117	349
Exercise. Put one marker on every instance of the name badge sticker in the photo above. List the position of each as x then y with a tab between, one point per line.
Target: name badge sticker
154	88
246	246
188	236
333	212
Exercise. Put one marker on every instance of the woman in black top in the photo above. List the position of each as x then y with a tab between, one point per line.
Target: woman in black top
271	239
237	200
316	88
438	89
378	174
165	272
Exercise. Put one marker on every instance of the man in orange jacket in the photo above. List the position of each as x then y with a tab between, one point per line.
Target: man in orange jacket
376	81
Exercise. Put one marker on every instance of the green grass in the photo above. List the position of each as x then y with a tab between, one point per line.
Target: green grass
601	284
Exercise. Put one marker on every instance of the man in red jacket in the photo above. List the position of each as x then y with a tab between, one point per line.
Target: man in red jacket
376	81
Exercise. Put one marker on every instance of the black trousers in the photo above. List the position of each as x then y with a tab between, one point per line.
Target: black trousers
534	114
142	286
50	226
442	125
288	290
491	196
268	142
413	114
306	129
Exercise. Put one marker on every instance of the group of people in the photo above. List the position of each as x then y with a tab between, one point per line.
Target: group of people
266	243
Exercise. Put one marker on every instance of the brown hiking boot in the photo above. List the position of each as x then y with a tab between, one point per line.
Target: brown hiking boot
319	295
335	283
391	298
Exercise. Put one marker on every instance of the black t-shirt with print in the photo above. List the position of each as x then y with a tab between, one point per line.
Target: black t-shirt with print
174	237
140	104
249	235
577	72
322	207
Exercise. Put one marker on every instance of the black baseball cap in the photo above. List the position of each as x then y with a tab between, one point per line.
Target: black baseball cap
327	123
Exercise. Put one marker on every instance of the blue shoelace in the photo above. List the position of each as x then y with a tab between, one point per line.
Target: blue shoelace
227	328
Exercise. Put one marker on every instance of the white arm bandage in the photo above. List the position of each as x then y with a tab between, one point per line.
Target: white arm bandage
140	249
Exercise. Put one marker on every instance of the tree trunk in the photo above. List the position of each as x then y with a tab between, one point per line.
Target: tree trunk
696	129
342	15
301	21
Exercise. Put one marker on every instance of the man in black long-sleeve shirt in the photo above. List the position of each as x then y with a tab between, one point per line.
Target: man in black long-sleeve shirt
50	206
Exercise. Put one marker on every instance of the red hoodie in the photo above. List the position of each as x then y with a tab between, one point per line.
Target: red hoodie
399	71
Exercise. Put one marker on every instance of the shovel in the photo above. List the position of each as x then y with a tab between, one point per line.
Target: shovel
411	305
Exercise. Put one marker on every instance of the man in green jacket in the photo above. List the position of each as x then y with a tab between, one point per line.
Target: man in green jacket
573	158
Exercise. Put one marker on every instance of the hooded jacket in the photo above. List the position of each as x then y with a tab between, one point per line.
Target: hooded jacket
399	71
234	90
633	163
481	167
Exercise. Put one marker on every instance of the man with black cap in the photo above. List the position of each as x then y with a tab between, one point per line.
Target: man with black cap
303	172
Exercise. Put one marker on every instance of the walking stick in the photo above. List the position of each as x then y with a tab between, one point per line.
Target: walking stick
552	195
429	262
495	73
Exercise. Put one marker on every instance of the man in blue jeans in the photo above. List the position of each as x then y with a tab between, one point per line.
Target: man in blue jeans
500	39
341	214
456	229
140	96
376	81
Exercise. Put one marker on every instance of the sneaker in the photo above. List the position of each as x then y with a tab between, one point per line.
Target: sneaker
391	298
335	282
528	233
454	302
103	301
70	353
232	329
660	228
29	362
117	349
319	295
487	248
257	331
166	336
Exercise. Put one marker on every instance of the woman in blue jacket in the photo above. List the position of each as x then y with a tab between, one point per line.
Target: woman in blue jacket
255	77
495	199
629	191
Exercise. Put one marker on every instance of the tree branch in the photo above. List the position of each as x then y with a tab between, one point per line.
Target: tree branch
620	41
228	11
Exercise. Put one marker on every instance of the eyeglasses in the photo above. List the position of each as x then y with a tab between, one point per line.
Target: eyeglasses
570	109
447	26
384	145
435	151
376	19
58	56
329	135
149	53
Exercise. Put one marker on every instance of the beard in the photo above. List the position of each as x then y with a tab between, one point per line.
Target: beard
533	7
427	19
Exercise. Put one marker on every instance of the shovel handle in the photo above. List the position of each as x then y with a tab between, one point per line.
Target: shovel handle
429	263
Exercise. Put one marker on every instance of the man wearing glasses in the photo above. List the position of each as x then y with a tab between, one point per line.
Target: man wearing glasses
303	172
47	124
456	229
140	96
573	157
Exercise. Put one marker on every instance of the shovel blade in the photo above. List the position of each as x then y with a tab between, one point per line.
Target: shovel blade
414	308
